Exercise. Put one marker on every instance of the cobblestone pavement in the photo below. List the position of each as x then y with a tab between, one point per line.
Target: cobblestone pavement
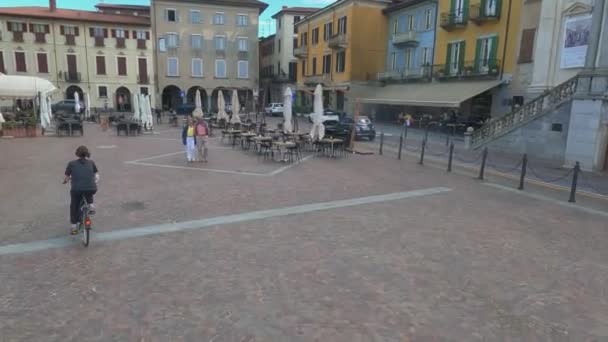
471	264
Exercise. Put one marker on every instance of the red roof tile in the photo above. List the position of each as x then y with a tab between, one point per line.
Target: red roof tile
75	15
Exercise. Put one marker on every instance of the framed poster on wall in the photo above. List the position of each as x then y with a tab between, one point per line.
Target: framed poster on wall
575	42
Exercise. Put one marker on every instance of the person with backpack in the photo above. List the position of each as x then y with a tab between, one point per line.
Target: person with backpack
202	132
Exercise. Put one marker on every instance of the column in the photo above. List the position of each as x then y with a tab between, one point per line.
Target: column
546	43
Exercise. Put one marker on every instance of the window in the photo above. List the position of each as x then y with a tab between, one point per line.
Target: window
327	64
16	27
220	42
119	33
172	40
143	90
196	41
220	68
195	17
20	64
409	58
425	56
394	61
141	35
2	67
219	18
171	15
327	31
243	69
556	127
455	57
341	61
99	32
102	91
100	63
296	19
304	39
314	66
43	65
197	67
70	30
121	63
410	23
279	42
242	20
243	44
172	66
315	36
342	25
526	46
485	55
40	28
428	19
395	26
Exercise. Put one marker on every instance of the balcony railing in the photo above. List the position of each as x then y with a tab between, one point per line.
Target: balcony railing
301	51
141	44
120	43
17	36
485	12
99	41
39	37
70	39
453	20
73	77
338	41
405	38
407	74
316	79
484	68
143	79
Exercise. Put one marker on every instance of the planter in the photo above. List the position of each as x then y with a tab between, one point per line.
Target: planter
33	132
17	132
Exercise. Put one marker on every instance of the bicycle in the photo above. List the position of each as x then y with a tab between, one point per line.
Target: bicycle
85	223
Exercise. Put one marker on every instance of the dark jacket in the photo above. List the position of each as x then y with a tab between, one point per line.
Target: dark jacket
185	135
83	173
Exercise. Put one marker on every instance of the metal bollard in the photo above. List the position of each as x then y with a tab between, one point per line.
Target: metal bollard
524	167
422	152
577	169
381	143
447	139
400	147
482	169
405	134
450	157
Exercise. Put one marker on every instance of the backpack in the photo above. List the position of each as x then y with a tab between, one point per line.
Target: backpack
201	129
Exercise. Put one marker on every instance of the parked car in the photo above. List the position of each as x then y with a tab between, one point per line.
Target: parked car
67	106
330	115
274	109
364	128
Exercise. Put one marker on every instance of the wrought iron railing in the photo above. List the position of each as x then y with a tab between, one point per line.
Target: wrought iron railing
141	44
73	77
301	51
468	69
453	19
143	79
408	37
405	74
483	12
531	110
120	43
338	41
39	37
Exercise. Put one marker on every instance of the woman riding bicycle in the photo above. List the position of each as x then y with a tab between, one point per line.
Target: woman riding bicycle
84	175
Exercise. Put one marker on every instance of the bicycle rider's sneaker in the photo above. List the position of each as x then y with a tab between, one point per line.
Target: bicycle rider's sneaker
91	209
74	229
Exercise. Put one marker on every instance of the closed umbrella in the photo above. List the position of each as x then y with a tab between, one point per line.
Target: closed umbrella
287	125
198	103
136	109
77	103
236	118
221	106
87	109
45	119
318	129
49	106
149	111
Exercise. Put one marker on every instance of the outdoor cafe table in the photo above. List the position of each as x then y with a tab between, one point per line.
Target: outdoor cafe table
232	134
260	140
283	145
71	123
332	143
247	136
127	124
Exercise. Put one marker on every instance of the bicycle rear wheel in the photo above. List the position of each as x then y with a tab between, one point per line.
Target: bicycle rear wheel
86	235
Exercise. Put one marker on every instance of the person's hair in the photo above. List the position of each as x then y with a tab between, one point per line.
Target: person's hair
82	152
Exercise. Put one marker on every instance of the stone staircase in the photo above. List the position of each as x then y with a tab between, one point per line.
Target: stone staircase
534	109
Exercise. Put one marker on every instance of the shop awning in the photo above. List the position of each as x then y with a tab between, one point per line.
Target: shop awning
444	94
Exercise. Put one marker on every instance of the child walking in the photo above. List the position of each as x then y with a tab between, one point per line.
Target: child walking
189	140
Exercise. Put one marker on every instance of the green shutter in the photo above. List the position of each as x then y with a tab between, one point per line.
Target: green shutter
478	54
452	5
465	5
448	60
498	7
461	57
493	62
482	8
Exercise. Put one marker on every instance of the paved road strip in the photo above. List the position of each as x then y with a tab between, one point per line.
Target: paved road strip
42	245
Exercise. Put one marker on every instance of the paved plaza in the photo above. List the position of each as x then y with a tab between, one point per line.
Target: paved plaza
360	248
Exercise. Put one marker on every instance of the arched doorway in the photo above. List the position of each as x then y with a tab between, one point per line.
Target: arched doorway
227	97
69	93
123	100
171	97
245	100
192	93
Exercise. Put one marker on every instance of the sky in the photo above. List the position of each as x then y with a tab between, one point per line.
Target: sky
267	25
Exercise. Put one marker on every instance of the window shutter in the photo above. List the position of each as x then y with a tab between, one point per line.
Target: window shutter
127	34
105	33
113	33
176	16
134	34
91	32
493	62
452	6
526	48
448	59
9	26
62	30
465	10
477	54
76	31
461	57
166	15
498	7
147	35
47	29
31	28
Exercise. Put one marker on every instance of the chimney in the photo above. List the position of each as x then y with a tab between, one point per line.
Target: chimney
52	5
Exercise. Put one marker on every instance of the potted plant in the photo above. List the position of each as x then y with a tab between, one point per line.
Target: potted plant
494	70
468	70
31	126
11	129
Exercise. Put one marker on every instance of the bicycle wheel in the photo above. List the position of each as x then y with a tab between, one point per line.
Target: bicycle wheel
86	235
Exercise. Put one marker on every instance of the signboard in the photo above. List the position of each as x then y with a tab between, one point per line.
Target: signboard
576	40
182	93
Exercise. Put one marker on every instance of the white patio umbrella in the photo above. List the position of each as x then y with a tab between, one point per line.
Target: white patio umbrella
149	111
198	104
45	118
23	87
87	110
136	109
49	105
76	103
221	106
287	115
318	129
236	118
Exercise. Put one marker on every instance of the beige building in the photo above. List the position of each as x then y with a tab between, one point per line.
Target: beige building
209	45
106	53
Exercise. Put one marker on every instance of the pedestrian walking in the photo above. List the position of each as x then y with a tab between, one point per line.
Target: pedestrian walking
159	116
189	140
202	131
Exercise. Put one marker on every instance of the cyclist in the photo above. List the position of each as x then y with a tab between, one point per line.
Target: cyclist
84	175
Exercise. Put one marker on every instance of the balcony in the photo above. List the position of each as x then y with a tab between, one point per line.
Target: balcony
301	51
317	79
73	77
404	75
39	37
409	38
120	43
70	39
453	20
141	44
143	79
478	69
485	12
100	42
338	41
17	37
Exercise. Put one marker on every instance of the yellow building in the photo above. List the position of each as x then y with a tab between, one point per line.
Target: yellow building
338	46
478	40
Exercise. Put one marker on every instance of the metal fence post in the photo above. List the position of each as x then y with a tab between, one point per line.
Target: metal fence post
450	157
405	134
577	169
524	167
381	142
422	152
482	169
400	147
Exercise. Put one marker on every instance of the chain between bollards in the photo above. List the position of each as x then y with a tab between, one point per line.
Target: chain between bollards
577	169
421	162
524	167
482	169
400	146
381	143
450	157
